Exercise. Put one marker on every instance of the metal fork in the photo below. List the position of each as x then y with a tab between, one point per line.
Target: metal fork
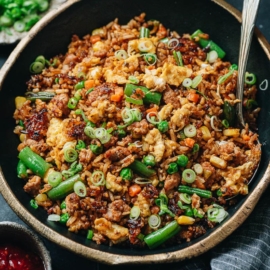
249	13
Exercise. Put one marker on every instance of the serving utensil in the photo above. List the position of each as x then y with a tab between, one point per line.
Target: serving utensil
249	13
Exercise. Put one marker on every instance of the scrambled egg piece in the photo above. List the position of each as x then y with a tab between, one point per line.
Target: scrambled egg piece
175	75
146	45
180	117
97	113
165	112
144	205
112	183
57	137
121	71
170	146
152	81
95	73
154	143
113	231
236	177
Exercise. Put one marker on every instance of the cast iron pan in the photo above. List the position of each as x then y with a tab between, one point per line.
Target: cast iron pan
52	35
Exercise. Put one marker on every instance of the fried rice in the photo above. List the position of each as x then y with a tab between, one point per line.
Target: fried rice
136	126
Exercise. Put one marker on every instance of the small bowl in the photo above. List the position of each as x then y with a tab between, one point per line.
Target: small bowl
19	235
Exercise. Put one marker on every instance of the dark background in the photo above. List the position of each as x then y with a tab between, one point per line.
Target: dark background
63	259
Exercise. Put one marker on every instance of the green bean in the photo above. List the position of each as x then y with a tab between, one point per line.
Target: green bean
149	98
158	237
39	95
34	162
141	169
64	188
200	192
21	170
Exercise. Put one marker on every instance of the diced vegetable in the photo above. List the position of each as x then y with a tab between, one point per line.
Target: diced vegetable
185	220
231	132
218	162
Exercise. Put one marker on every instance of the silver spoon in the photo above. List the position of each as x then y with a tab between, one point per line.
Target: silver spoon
249	14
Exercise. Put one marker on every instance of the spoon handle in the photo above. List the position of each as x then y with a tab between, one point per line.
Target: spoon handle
249	13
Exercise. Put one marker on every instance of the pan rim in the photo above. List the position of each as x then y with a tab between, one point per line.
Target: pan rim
105	257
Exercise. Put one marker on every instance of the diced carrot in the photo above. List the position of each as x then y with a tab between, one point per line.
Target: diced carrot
152	110
246	137
119	93
94	39
192	96
189	142
134	190
151	67
89	84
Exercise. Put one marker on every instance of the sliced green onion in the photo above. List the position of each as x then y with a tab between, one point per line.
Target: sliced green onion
54	178
80	145
78	95
198	168
216	214
90	132
188	176
36	67
144	32
190	131
134	101
223	78
19	26
198	213
150	59
212	119
34	204
164	40
154	221
225	123
178	58
89	91
141	236
70	154
196	81
212	57
133	79
153	118
72	103
79	85
219	193
80	189
90	234
121	54
233	67
186	198
250	78
145	46
96	149
56	80
102	135
173	43
251	103
187	82
97	178
172	168
142	181
54	217
195	148
131	115
135	212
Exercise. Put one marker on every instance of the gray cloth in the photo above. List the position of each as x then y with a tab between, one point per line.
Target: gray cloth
248	248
